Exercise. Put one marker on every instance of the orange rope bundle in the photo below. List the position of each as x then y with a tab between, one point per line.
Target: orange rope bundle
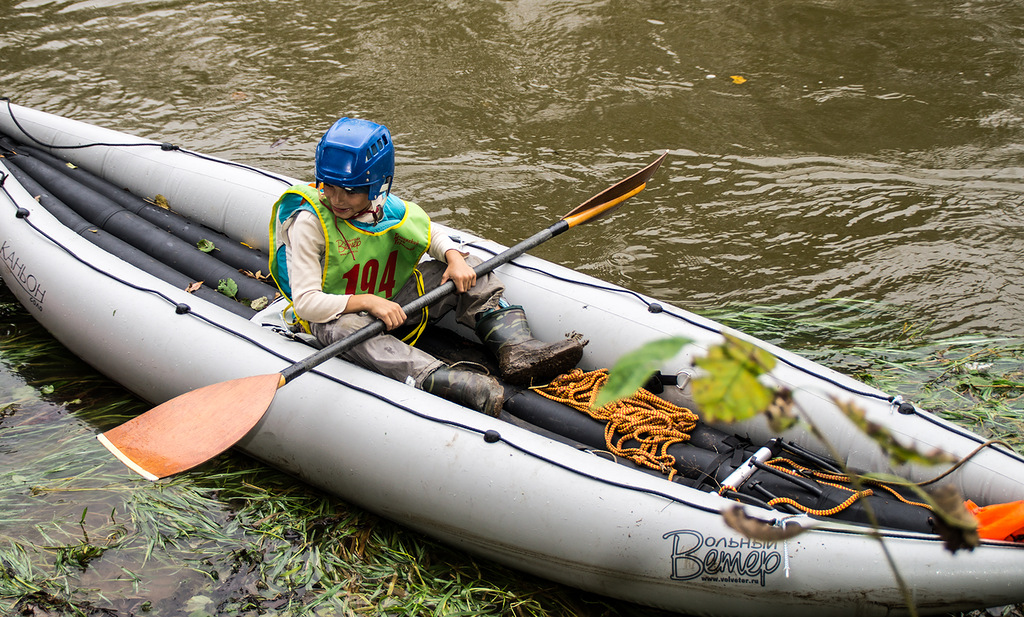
652	422
655	424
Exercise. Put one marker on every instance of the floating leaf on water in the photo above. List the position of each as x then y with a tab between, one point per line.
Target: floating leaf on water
197	603
205	246
738	79
277	144
47	389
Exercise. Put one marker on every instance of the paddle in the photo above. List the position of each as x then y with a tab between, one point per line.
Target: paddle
198	425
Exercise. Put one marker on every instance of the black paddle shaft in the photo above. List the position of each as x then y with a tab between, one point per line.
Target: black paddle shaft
367	332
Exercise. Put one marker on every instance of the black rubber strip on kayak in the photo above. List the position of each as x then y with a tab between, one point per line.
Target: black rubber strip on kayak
231	252
133	229
119	248
711	455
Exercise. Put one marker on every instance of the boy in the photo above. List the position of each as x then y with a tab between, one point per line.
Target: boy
348	252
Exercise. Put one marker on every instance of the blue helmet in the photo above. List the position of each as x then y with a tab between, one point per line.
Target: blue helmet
356	153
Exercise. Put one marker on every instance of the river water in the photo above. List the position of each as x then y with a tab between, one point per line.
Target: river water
857	161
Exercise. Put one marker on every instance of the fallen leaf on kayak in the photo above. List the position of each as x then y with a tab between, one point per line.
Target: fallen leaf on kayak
194	287
228	287
71	165
259	303
756	529
258	275
205	246
161	201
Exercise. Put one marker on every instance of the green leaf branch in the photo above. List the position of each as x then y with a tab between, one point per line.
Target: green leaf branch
729	388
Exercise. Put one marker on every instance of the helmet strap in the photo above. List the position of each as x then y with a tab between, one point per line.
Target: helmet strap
377	205
374	208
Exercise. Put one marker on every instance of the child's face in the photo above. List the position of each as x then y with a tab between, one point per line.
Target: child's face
346	203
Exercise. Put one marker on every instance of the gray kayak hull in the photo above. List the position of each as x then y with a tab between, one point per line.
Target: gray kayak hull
524	500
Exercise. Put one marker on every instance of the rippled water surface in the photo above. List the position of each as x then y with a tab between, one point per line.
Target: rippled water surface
871	151
853	160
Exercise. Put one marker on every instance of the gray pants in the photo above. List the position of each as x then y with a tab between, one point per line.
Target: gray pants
387	354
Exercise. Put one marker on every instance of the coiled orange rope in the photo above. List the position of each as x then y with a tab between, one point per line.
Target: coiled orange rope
655	424
652	422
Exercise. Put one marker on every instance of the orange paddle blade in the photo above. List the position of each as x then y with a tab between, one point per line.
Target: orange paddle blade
168	438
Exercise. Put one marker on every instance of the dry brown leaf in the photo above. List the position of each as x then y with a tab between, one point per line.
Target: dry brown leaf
780	413
955	525
756	529
258	275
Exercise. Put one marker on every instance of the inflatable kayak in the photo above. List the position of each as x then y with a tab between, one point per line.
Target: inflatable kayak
166	300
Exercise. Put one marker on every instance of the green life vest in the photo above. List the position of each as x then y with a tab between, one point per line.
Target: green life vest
358	258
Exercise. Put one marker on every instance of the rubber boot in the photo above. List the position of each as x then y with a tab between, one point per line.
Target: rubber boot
474	390
522	359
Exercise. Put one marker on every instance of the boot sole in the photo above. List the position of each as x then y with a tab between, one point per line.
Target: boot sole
524	374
